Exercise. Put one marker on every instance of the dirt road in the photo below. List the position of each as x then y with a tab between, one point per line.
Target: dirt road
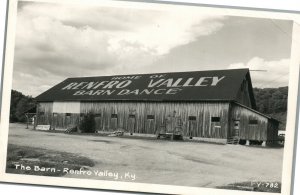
160	161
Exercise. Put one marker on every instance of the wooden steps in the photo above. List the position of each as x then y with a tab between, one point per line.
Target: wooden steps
233	140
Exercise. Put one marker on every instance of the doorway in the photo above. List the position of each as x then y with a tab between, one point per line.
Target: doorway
131	123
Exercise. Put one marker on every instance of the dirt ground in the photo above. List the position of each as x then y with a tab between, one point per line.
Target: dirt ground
160	161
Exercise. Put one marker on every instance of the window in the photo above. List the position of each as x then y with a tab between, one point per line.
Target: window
215	119
253	122
98	115
192	118
82	114
41	113
68	114
150	116
131	116
114	116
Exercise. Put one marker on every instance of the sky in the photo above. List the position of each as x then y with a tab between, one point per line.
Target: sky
57	41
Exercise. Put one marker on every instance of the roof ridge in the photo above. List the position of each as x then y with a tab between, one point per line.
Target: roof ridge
234	69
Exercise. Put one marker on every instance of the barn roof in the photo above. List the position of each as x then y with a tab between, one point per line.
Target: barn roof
213	85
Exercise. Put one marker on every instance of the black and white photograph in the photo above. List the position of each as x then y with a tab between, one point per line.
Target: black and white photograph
150	96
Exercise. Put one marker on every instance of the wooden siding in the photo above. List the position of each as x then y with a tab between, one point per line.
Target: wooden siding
248	131
63	121
150	117
44	113
243	96
46	116
195	119
140	114
272	130
70	107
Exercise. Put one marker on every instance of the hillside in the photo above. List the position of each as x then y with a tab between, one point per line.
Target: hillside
273	102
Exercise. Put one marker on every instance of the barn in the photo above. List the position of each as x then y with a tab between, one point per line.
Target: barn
202	105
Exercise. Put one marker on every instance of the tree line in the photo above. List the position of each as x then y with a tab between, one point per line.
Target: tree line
19	104
273	102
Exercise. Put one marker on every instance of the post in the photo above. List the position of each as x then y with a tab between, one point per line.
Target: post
247	142
27	121
34	121
264	144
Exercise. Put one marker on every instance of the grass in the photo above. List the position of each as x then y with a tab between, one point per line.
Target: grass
31	157
273	187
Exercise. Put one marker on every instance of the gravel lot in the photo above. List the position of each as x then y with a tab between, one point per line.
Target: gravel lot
160	161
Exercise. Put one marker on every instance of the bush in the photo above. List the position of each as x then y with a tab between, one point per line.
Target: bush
87	124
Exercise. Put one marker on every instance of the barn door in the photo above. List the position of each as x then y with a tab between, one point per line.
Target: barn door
114	122
169	124
98	122
236	129
131	123
215	128
54	121
67	123
150	124
173	123
41	118
192	126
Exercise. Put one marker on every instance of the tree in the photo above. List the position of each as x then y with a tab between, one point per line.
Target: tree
88	124
273	102
19	103
23	105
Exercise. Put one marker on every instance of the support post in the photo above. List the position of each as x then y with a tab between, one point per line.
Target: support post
27	121
34	122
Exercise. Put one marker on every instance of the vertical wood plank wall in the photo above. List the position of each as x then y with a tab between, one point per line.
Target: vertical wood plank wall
133	117
44	113
249	131
202	111
272	130
202	127
243	94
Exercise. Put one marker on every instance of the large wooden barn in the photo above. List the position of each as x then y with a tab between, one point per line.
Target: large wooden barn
208	105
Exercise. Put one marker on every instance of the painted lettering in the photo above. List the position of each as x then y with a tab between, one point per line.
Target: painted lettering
202	82
156	76
90	85
173	91
146	91
70	86
100	84
167	83
153	84
135	92
98	92
108	92
123	92
80	92
159	91
216	80
79	85
89	92
176	83
110	84
125	77
187	83
123	84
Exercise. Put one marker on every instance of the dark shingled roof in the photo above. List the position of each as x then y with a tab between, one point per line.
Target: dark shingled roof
225	90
